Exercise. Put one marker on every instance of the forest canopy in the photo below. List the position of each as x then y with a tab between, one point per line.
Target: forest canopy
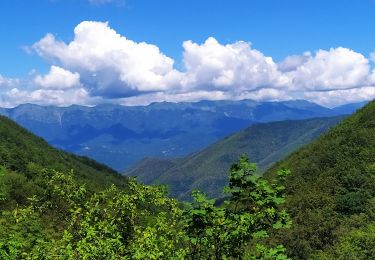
66	221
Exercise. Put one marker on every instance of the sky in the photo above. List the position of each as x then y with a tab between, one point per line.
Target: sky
132	52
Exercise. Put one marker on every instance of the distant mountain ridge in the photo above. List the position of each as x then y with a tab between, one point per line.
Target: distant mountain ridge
207	170
119	136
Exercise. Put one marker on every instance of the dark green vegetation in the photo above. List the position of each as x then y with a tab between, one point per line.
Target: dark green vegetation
331	193
207	170
328	196
21	153
120	136
74	214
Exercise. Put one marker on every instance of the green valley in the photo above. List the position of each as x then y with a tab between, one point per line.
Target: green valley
55	205
206	170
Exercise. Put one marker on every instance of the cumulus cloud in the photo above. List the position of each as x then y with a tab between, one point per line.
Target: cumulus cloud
293	62
58	78
100	65
110	64
228	66
343	96
338	68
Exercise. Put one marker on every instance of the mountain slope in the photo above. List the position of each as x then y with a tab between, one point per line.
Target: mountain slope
331	191
207	170
48	214
20	151
120	136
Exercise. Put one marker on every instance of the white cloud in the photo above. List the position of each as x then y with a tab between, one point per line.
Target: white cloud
343	96
293	62
57	97
266	94
174	97
58	78
100	65
338	68
371	78
228	66
110	64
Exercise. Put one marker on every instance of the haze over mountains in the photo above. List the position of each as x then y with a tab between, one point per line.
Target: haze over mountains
119	136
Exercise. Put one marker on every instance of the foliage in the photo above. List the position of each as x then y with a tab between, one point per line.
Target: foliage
19	149
251	210
207	170
3	194
65	214
141	222
331	191
357	244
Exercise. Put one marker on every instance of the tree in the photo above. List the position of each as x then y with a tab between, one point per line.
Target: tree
142	222
250	211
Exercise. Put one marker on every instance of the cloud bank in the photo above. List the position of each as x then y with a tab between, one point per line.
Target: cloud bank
100	65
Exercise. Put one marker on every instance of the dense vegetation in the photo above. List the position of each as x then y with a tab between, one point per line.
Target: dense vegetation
58	206
19	148
73	212
207	170
141	222
331	193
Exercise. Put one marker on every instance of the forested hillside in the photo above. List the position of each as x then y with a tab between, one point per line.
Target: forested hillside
207	170
331	192
322	208
54	205
20	151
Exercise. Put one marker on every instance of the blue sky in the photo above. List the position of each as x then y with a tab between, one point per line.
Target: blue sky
275	28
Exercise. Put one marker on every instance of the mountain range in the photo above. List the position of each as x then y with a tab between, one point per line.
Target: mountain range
120	136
